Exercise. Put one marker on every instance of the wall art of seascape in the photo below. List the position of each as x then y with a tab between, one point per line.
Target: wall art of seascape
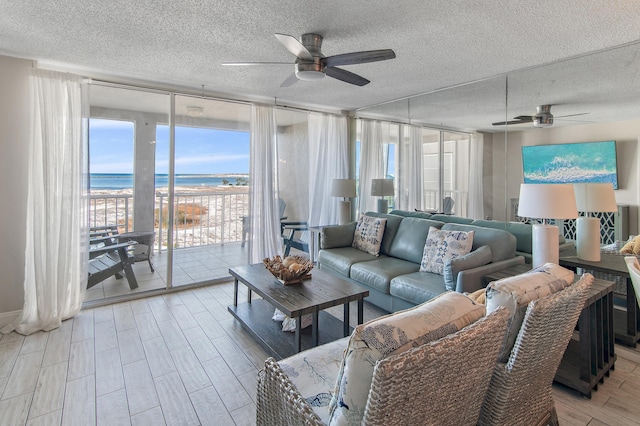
584	162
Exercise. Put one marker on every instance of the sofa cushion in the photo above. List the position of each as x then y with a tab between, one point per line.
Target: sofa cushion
393	221
314	372
447	218
476	258
391	334
522	232
337	236
368	234
341	259
502	243
378	273
442	246
417	287
409	241
516	292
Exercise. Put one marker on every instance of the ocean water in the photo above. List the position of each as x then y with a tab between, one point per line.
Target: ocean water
125	180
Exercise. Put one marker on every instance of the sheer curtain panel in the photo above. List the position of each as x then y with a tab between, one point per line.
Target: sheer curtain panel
410	176
328	160
56	254
264	216
371	163
476	193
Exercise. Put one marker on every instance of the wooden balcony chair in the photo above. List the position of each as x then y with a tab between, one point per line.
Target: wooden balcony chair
295	235
145	240
108	257
246	222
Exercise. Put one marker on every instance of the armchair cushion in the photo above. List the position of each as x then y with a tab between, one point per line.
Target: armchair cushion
391	334
368	234
314	372
515	293
442	246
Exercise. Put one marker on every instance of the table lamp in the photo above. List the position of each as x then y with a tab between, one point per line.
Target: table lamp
345	188
382	188
591	198
546	201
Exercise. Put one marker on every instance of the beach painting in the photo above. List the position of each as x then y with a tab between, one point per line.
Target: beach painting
584	162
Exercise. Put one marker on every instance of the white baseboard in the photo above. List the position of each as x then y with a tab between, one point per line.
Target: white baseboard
7	317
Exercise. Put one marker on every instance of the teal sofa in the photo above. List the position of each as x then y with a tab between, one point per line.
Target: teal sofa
522	231
393	278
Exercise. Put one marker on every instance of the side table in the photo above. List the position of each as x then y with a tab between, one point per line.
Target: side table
626	318
591	354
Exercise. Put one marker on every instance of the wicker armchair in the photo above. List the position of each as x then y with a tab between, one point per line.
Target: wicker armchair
442	382
520	390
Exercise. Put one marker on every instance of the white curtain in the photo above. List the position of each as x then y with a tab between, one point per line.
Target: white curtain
371	163
410	180
56	254
476	194
328	160
264	210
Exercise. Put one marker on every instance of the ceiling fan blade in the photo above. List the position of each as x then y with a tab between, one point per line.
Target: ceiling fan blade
504	123
294	46
289	81
346	76
524	118
255	63
571	115
360	57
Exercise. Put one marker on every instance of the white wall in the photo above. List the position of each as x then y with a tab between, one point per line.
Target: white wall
625	133
14	133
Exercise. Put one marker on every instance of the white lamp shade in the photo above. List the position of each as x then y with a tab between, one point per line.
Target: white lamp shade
547	201
343	188
382	187
595	197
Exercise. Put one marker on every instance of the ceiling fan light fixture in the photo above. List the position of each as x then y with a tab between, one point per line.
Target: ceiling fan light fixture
195	111
309	71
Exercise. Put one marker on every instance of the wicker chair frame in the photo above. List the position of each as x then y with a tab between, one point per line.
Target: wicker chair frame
442	382
520	389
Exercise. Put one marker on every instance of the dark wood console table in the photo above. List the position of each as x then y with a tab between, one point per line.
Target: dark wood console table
591	354
626	319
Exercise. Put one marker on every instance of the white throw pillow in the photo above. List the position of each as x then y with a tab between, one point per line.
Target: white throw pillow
443	246
368	234
515	293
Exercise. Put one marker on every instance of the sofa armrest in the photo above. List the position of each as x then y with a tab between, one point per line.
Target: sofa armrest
337	236
472	279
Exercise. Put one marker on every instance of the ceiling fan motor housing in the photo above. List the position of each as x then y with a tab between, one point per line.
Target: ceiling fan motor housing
543	118
310	71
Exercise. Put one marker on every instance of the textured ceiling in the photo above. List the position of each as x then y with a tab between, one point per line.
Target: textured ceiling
439	44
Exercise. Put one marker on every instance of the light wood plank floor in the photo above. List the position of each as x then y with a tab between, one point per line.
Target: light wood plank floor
181	359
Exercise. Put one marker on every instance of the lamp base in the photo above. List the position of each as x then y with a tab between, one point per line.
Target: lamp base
588	238
344	210
545	244
383	206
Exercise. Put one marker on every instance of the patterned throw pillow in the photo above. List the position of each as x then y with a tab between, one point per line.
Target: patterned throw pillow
443	246
368	235
515	293
390	335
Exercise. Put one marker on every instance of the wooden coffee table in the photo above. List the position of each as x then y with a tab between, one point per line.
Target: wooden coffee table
321	291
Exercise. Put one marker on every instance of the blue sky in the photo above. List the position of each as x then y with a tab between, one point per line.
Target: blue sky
198	151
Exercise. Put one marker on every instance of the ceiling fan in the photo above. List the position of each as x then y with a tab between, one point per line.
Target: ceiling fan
543	117
311	64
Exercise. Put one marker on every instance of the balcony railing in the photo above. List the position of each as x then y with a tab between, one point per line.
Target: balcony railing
200	218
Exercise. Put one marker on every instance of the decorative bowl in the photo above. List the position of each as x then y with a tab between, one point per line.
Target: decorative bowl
290	270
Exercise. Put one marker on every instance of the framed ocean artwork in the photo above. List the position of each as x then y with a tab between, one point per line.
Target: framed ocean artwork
584	162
